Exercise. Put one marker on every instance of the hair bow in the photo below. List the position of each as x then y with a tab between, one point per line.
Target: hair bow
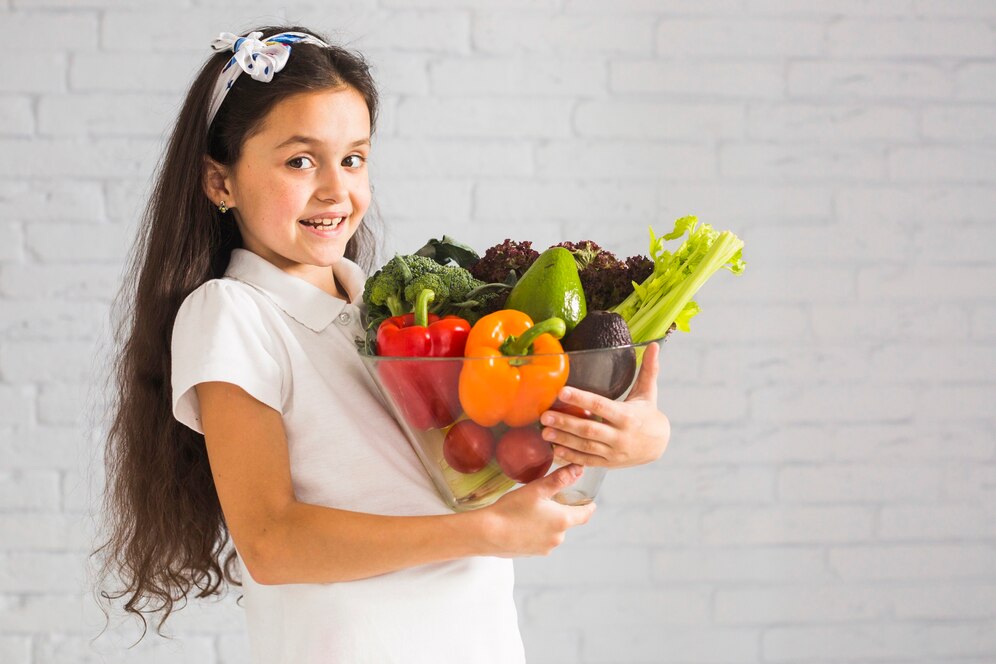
261	59
258	59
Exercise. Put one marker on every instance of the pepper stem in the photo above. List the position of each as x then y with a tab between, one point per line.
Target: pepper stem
521	344
425	296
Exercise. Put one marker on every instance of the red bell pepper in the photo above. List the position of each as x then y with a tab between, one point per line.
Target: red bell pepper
426	393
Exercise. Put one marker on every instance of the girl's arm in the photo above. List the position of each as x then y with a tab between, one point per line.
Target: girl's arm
282	540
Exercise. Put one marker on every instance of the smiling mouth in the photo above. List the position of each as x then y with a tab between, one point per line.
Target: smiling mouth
323	223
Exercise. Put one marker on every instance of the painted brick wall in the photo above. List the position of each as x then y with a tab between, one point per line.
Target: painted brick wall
829	494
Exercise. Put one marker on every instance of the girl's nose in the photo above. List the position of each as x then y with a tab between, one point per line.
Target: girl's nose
333	186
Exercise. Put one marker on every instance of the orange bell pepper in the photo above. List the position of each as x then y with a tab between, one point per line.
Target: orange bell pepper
522	369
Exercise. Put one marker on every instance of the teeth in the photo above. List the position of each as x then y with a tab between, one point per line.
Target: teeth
327	223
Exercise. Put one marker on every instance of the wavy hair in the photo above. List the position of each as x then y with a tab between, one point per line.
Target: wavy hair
163	532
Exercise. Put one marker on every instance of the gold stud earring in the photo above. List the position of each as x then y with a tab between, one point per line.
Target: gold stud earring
223	208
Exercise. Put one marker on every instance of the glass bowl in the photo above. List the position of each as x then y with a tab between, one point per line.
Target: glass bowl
447	409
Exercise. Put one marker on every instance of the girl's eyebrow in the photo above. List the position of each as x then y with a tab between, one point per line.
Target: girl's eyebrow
310	140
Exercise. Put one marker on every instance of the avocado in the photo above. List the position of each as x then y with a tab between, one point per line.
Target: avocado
608	372
550	288
599	329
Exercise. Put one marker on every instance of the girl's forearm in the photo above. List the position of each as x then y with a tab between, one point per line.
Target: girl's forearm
315	544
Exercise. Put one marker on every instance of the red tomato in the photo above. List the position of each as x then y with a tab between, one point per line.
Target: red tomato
468	446
523	454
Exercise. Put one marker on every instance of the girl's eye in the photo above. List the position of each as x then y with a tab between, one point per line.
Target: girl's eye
358	160
291	162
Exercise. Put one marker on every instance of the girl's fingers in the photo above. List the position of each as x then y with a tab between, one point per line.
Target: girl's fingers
582	444
590	432
567	455
605	408
645	389
646	382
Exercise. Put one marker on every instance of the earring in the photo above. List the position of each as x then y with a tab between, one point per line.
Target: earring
223	208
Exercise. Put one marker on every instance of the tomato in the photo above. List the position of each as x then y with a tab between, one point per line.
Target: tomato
468	446
523	454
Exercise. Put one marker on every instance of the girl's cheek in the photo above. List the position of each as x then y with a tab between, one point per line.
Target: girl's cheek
293	197
363	198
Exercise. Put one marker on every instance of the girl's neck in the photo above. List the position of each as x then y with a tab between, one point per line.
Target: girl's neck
340	291
320	277
327	281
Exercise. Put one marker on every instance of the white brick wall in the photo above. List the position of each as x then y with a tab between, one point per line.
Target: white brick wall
828	495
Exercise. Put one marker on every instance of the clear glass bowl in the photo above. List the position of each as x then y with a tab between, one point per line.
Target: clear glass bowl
473	463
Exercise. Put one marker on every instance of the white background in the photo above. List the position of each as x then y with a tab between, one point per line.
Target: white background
829	494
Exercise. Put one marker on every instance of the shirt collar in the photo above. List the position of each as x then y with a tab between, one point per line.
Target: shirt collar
302	301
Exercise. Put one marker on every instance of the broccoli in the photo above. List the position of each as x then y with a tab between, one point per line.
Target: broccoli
393	289
452	285
386	288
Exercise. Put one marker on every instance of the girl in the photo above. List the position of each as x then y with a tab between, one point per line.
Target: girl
249	444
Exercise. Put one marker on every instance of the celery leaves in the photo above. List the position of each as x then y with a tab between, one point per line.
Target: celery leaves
665	297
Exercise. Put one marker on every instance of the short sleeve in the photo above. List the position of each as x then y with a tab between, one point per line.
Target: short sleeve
219	334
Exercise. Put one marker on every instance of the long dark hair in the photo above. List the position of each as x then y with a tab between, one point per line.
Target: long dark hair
165	532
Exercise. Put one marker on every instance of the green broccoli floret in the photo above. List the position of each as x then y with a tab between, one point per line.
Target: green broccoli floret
393	289
386	288
450	284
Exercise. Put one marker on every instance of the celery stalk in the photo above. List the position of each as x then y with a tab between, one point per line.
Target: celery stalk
475	486
665	297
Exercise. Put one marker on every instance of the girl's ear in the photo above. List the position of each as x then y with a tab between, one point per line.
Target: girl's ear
215	183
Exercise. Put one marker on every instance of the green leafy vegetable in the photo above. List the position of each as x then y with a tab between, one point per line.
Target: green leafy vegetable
449	252
665	297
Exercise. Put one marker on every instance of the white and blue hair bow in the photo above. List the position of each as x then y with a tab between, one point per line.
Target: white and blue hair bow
261	59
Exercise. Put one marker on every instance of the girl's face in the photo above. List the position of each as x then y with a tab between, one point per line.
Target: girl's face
301	187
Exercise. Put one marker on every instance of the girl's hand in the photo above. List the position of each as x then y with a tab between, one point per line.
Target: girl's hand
528	521
633	432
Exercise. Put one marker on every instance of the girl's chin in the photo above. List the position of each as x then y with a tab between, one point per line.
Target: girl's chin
337	237
326	258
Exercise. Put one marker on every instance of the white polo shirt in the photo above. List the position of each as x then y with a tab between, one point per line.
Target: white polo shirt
291	345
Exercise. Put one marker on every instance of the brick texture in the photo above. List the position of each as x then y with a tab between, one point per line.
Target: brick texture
828	493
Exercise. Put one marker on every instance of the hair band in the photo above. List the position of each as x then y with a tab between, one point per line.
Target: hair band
261	59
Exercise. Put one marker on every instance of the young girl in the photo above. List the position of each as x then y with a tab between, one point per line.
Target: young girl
243	410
